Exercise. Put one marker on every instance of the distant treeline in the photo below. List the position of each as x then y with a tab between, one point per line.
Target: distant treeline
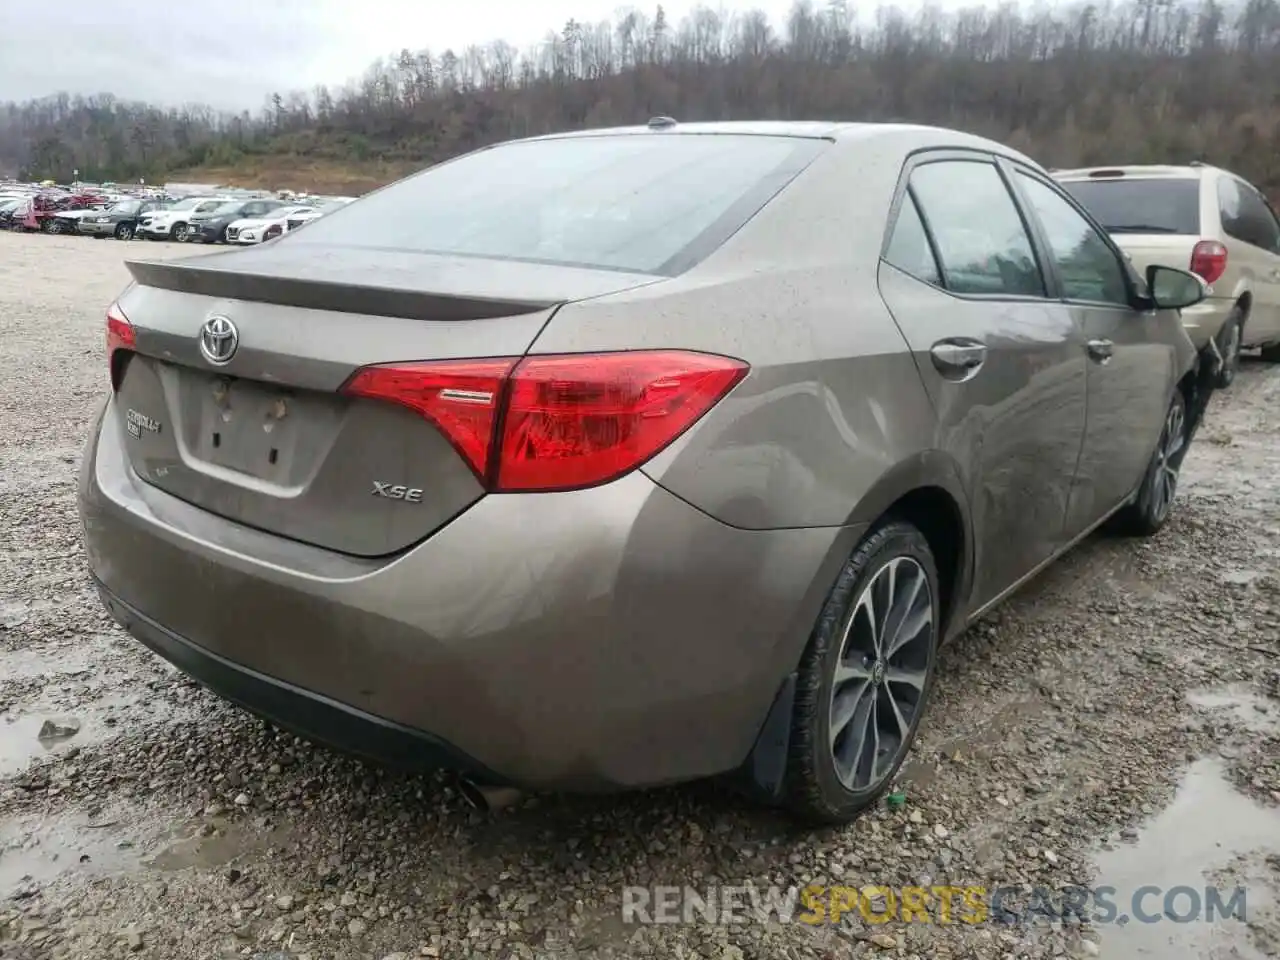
1136	81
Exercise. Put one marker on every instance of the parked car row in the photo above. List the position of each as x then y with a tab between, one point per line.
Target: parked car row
252	221
199	219
43	211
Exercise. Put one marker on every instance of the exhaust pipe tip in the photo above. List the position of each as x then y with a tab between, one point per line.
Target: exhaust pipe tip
488	799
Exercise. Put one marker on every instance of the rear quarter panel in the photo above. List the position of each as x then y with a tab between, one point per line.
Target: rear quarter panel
834	403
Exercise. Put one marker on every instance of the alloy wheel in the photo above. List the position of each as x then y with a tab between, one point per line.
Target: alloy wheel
880	676
1165	479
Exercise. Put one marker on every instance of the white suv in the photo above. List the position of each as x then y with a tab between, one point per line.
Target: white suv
1204	219
171	223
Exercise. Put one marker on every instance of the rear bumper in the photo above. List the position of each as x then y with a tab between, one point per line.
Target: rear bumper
1204	320
335	724
605	638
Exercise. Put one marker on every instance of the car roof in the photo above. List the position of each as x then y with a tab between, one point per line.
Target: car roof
760	128
838	131
1136	171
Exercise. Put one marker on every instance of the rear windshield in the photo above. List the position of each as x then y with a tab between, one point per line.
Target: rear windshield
643	203
1126	205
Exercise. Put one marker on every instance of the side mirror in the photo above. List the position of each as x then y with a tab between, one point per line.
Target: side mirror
1173	289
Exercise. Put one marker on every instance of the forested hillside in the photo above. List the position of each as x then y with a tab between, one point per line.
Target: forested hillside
1136	81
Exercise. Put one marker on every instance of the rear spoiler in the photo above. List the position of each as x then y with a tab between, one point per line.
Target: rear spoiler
315	293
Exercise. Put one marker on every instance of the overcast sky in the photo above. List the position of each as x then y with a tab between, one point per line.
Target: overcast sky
234	53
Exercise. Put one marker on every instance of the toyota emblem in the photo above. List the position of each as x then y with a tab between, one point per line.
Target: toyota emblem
218	340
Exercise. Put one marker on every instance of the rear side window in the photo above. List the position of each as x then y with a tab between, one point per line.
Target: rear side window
1246	216
648	203
1127	205
981	240
909	248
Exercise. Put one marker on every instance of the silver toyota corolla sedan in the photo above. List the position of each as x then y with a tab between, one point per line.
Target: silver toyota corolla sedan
632	456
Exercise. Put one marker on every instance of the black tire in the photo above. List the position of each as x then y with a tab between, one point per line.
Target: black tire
1229	340
180	233
124	231
1271	353
814	791
1150	510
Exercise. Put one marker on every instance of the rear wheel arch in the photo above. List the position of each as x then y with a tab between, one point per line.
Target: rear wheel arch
936	514
926	492
1245	303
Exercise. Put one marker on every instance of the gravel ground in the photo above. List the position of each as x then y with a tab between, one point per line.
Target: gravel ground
1123	707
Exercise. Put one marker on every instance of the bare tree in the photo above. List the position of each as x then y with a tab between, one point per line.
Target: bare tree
1106	81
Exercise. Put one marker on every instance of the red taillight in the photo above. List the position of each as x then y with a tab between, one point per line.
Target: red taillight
576	421
557	422
461	397
120	336
1209	260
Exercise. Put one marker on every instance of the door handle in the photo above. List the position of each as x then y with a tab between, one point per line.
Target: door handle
958	358
1101	350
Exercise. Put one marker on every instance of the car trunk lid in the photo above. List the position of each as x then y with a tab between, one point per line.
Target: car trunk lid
266	437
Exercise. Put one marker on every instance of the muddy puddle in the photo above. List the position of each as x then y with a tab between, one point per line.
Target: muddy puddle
53	664
1213	850
60	698
1239	705
43	729
38	850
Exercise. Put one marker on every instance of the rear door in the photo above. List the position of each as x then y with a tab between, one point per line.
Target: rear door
1000	357
1130	370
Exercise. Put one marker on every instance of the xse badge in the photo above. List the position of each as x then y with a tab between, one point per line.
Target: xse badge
397	492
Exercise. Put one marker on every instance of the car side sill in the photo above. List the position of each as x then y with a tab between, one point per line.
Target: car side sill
1038	568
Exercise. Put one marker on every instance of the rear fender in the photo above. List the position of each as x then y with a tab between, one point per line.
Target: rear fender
762	775
928	469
